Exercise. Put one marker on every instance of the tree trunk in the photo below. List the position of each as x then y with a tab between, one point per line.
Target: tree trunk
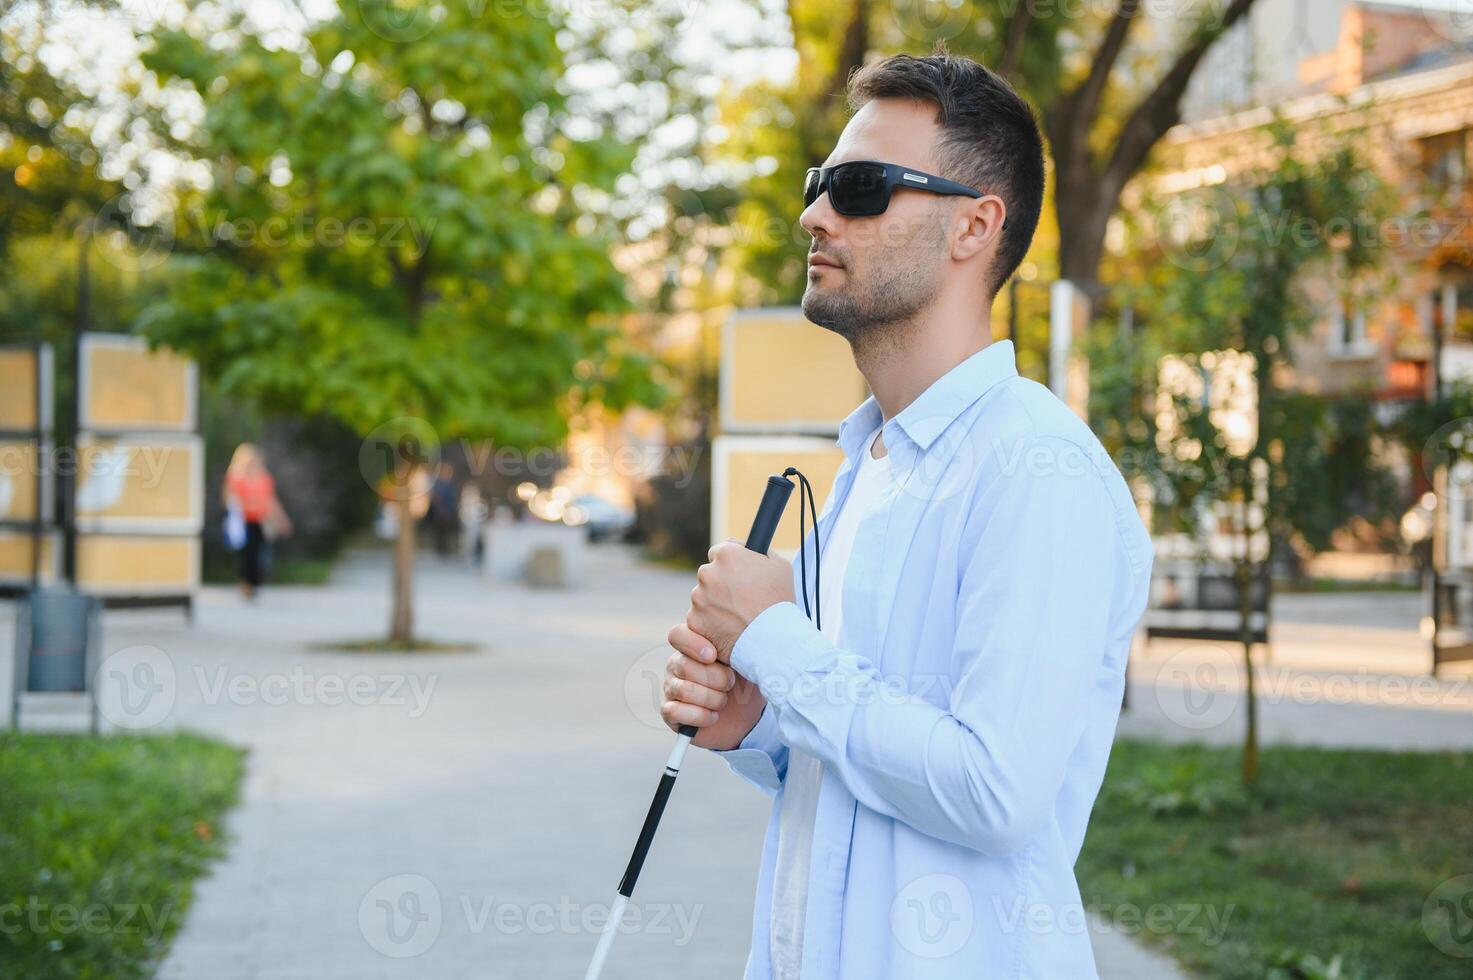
1083	205
1087	184
401	625
1245	624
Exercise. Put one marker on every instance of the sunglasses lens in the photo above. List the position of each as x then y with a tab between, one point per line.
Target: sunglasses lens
858	189
810	186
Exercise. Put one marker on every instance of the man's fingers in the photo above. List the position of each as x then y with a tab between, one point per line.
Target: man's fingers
677	713
690	692
718	677
691	643
711	553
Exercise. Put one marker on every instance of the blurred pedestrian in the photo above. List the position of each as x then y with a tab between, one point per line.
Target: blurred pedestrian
250	492
473	512
444	512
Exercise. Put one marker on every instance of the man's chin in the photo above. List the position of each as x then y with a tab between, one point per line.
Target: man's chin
825	307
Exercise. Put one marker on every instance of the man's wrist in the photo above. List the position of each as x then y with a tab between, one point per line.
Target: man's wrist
770	652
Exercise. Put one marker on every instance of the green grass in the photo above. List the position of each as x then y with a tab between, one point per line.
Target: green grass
1333	855
100	842
678	563
384	645
296	571
302	571
1316	585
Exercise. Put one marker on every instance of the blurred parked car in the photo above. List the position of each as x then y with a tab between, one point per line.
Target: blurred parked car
604	519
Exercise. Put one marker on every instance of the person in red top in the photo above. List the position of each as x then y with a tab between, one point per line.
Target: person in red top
250	490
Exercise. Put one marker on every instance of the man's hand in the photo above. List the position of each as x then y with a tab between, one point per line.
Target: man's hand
699	691
731	589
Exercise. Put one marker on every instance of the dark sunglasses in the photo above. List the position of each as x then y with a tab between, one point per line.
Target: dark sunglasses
862	188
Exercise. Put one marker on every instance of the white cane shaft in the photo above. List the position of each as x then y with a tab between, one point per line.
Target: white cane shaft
606	941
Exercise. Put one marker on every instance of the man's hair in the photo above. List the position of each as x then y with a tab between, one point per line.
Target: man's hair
989	136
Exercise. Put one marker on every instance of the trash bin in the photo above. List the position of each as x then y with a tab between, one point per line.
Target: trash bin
55	639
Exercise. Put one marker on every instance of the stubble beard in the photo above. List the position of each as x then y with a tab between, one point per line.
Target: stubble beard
866	308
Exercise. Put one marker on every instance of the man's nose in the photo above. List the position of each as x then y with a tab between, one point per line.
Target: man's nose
819	219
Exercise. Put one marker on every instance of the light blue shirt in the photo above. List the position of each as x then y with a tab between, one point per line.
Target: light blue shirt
965	717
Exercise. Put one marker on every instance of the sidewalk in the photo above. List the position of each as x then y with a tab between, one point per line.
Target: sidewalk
475	829
440	816
1346	670
466	815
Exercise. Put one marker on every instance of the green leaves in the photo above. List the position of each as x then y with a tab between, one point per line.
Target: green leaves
1237	279
373	244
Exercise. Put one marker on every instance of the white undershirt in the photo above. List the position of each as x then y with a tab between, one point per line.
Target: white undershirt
805	773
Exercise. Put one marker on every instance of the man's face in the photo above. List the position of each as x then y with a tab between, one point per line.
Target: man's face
867	272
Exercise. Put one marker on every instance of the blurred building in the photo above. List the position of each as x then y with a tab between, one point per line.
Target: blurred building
1286	48
1404	76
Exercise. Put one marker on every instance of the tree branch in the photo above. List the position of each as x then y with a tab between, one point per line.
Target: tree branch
852	49
1084	102
1012	47
1161	108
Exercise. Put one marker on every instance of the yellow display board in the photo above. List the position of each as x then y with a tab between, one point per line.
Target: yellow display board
15	557
22	371
140	483
781	373
740	466
20	464
137	565
127	387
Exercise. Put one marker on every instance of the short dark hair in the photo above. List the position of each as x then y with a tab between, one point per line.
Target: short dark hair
989	136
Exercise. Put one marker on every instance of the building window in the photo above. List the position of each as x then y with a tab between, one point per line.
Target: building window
1457	310
1445	159
1348	331
1447	311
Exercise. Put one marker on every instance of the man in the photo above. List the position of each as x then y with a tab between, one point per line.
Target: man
444	512
936	742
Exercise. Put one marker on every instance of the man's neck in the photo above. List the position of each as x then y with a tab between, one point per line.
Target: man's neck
902	360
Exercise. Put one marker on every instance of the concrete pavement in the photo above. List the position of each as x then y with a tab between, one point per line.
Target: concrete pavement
445	816
468	814
1347	670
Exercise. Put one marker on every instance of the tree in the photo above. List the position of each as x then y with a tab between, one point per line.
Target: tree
1100	114
54	200
1096	147
49	178
392	234
1225	448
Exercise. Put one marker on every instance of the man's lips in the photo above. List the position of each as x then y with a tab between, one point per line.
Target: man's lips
816	259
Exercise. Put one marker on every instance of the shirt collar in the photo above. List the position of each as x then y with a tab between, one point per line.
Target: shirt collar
924	419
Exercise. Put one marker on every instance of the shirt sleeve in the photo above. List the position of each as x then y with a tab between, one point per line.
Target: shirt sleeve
1032	619
761	759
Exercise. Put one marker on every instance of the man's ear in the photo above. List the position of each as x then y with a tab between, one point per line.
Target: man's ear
979	226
